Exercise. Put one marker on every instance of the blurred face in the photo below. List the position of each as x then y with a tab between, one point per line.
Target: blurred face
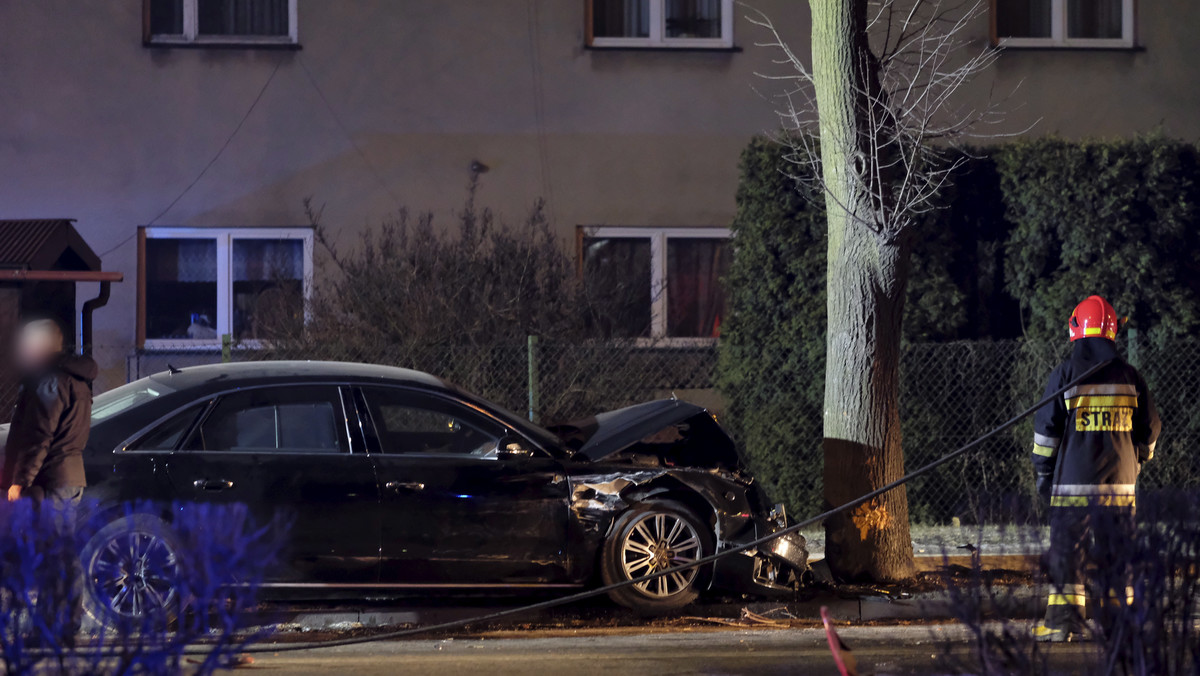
37	345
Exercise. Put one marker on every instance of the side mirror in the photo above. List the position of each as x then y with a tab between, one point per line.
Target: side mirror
512	448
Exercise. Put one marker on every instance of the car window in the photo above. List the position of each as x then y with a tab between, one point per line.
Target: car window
303	419
125	397
411	422
166	436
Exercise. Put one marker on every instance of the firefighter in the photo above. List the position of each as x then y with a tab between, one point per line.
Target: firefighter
1088	447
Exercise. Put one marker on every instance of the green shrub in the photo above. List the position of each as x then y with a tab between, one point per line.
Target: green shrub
771	366
1115	218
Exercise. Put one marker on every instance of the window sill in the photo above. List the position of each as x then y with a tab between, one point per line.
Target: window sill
674	343
204	345
1035	46
223	43
727	49
181	345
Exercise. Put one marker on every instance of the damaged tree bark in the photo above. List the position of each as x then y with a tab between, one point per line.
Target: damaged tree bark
862	444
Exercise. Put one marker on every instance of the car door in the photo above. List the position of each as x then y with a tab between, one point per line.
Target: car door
286	451
454	511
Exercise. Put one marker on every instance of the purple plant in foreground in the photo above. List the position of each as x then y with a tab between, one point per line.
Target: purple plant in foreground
1143	588
182	587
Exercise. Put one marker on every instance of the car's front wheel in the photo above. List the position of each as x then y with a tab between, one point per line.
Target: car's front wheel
130	573
653	537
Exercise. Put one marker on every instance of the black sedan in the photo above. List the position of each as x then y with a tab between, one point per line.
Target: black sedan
395	480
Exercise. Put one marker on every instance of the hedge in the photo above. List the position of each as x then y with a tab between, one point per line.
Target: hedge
1117	218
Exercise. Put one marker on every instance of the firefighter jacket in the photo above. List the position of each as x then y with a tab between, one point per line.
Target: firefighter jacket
1089	444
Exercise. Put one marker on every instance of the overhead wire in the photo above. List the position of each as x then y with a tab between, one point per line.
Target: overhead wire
220	151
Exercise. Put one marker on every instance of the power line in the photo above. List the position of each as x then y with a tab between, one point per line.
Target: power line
346	132
539	105
217	156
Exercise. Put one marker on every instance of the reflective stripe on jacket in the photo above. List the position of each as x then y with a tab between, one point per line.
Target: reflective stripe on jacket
1095	437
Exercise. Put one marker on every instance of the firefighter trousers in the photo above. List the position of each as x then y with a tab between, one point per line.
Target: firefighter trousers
1089	554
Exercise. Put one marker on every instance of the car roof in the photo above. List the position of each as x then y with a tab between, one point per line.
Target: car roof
236	374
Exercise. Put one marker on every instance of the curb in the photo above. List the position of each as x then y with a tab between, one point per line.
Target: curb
1019	604
346	619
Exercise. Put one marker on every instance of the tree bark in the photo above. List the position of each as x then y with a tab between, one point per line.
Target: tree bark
866	277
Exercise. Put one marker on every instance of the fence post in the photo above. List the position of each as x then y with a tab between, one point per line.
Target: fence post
226	348
531	357
1134	354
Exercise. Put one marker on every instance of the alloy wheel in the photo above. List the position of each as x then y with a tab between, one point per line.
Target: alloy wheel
658	542
133	575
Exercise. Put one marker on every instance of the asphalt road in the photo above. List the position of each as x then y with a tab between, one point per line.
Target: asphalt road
879	650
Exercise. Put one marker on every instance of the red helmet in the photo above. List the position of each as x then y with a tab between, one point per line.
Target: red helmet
1094	317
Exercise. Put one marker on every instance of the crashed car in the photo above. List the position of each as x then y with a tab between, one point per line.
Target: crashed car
395	481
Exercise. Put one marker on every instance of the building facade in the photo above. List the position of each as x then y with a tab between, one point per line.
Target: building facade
185	135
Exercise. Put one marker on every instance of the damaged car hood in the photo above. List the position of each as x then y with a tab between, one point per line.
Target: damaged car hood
607	434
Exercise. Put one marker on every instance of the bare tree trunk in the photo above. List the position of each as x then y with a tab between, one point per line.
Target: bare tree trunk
867	272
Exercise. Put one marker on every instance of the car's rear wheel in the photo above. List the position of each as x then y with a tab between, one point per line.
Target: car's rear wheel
653	537
130	573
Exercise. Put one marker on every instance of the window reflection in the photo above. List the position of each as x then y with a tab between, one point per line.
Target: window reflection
268	282
695	297
181	288
617	275
1023	18
693	18
1097	19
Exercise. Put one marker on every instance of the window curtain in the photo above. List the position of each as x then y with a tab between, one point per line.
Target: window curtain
267	260
181	260
1023	18
1094	19
243	17
693	18
621	18
695	298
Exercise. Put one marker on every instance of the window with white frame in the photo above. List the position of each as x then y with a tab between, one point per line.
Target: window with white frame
660	23
220	22
666	282
198	284
1064	23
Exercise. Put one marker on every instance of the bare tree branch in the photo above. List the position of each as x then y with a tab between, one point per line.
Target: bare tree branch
921	55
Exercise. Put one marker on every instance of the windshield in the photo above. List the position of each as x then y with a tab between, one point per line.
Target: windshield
126	397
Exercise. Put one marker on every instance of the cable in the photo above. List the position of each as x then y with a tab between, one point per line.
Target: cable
564	600
539	107
346	132
211	162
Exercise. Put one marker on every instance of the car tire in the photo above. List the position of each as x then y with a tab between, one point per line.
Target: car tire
130	573
650	537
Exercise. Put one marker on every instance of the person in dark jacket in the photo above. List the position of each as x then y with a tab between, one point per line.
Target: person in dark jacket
43	458
50	424
1088	449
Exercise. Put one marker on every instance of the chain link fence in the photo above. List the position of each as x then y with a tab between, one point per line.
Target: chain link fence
951	393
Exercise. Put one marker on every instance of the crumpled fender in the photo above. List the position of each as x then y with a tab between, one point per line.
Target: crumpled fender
598	499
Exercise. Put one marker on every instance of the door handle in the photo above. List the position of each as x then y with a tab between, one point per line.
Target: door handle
404	486
212	484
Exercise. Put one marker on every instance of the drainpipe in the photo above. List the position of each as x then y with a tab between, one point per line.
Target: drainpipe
85	318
